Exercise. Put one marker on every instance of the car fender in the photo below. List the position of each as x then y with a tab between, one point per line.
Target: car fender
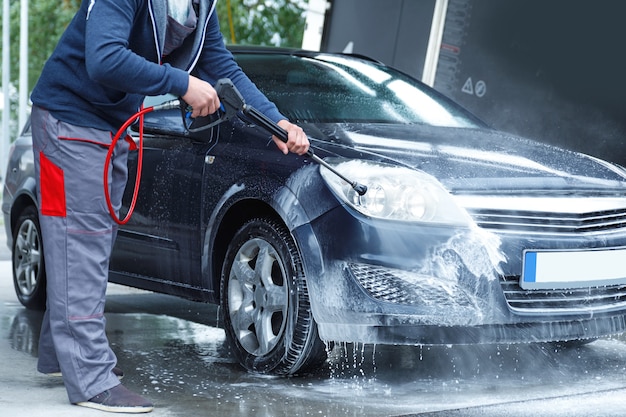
291	202
25	195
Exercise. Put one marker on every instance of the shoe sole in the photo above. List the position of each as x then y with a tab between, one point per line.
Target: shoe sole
60	375
116	409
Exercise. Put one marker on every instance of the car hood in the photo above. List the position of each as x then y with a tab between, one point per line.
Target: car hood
473	160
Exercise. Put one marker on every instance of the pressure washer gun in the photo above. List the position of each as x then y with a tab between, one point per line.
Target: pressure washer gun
233	105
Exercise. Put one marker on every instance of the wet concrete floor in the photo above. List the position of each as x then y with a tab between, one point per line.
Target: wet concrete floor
174	352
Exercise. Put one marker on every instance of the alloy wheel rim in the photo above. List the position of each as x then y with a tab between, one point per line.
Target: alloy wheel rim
258	297
27	258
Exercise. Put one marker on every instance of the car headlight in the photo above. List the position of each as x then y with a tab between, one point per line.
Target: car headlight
395	193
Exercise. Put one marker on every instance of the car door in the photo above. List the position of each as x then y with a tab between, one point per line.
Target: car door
160	247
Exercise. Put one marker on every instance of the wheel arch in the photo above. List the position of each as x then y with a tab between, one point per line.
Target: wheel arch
24	198
232	220
282	207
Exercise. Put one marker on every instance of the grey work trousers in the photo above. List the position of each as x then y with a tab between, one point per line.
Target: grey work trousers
78	235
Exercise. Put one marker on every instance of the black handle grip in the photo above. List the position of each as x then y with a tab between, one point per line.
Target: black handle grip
268	124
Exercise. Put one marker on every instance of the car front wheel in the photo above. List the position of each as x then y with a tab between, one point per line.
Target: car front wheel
29	276
265	302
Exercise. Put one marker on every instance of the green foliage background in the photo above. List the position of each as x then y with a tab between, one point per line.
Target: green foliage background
250	22
262	22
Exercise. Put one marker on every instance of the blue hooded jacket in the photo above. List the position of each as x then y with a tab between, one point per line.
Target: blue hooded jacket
110	57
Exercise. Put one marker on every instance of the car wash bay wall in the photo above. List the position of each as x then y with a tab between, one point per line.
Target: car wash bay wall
395	32
553	70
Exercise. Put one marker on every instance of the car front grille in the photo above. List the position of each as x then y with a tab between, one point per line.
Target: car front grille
569	301
544	222
574	215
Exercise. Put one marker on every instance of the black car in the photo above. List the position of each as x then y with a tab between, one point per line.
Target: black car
464	235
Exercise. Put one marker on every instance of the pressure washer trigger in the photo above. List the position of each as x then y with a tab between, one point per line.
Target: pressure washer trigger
231	100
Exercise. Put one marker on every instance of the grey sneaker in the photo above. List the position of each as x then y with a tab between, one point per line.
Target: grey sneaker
119	399
117	371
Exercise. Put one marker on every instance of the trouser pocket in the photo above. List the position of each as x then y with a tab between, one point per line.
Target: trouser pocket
52	185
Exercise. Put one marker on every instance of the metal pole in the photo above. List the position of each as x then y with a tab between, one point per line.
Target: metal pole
314	27
23	93
6	108
434	42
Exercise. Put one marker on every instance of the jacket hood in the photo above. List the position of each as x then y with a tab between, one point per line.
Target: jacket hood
187	56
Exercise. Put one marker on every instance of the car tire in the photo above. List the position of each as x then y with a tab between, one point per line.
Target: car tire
265	302
29	276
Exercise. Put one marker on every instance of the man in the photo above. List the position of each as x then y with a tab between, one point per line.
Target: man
113	54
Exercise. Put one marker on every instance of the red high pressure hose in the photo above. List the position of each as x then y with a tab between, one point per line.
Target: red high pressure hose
107	162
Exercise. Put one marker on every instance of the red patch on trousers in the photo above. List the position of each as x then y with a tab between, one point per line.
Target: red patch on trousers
52	188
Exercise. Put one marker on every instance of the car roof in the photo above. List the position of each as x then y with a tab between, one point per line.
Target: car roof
273	50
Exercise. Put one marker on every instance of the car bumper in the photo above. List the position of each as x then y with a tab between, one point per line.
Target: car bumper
530	332
380	282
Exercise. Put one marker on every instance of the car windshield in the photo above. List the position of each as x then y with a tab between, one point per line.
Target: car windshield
335	89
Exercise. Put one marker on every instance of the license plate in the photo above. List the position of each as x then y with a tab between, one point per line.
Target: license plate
573	268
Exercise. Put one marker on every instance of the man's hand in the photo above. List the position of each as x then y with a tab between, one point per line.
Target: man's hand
297	142
202	97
